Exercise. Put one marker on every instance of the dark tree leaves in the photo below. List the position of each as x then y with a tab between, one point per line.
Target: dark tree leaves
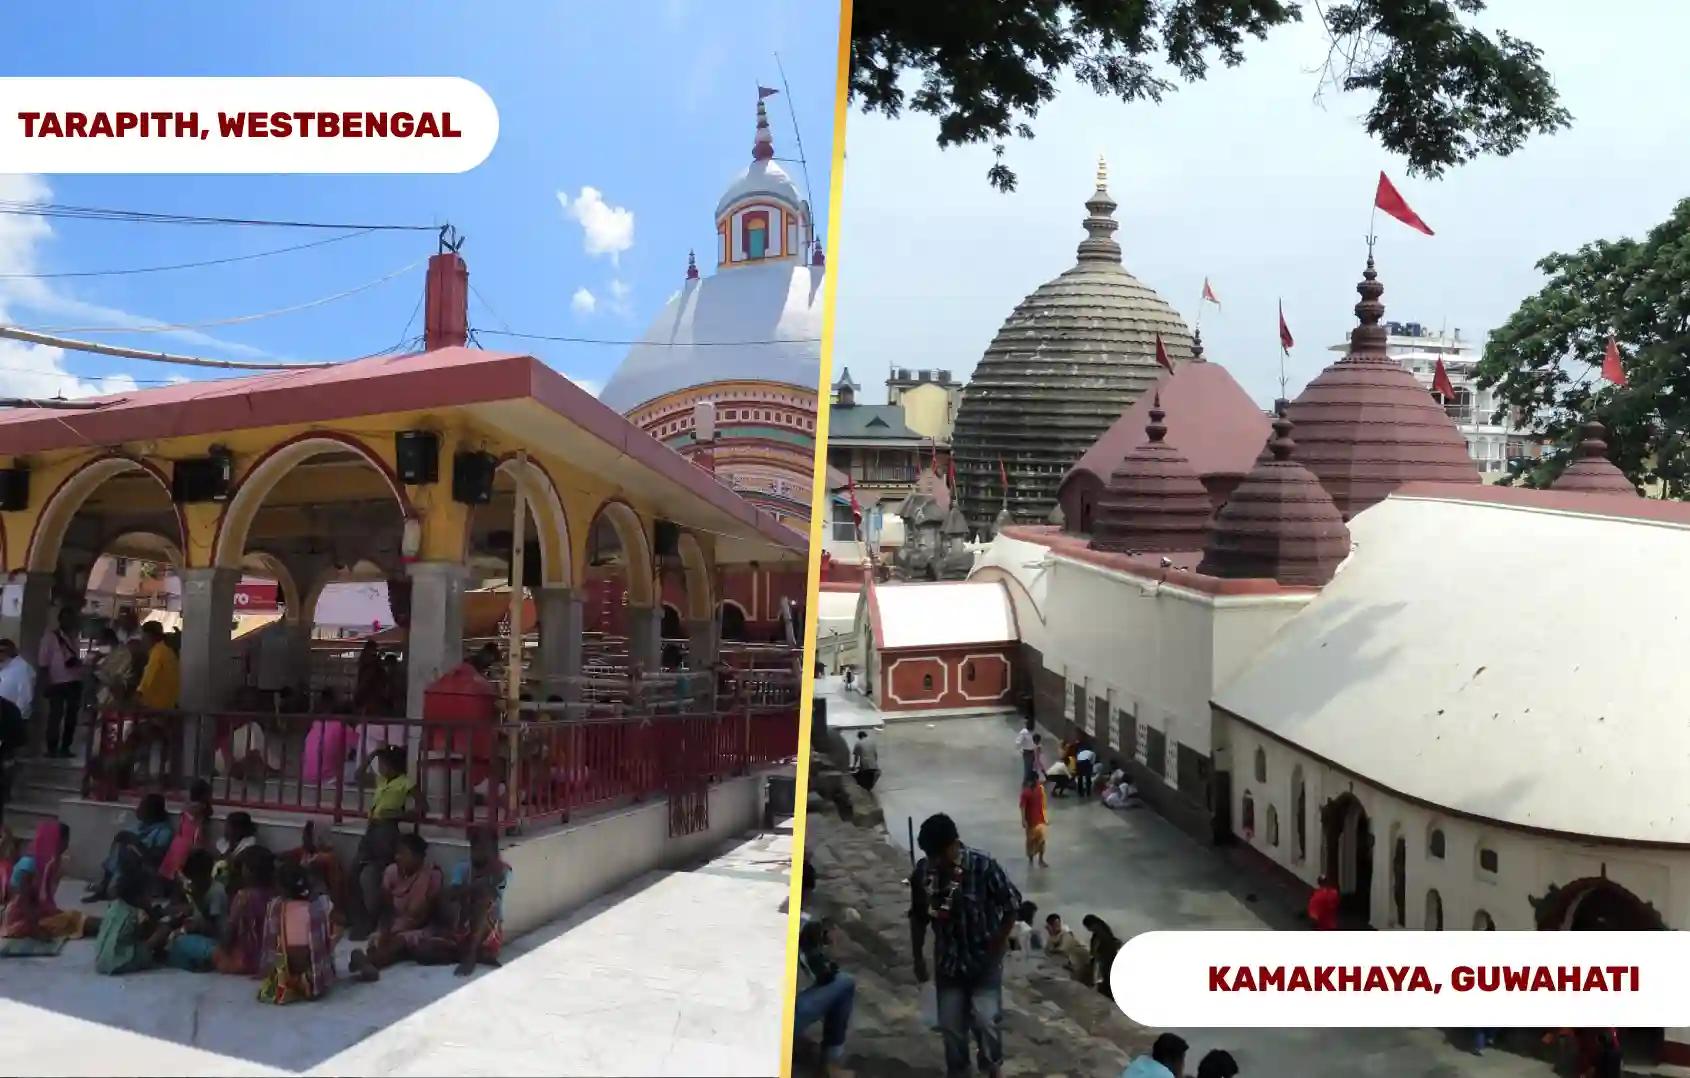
1545	361
1443	93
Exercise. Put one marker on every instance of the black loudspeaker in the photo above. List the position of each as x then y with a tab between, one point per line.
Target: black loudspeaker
667	537
418	454
472	478
202	479
14	489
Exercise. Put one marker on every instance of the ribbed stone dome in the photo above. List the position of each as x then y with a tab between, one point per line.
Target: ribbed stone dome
1154	502
1365	426
1591	471
1066	363
1279	524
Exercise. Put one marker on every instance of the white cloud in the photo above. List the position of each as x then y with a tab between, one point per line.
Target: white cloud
619	292
583	301
606	229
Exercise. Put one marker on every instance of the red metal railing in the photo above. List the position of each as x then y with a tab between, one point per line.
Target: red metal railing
507	773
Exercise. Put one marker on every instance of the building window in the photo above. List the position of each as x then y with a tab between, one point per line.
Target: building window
121	566
968	671
756	234
927	681
1261	765
1248	822
1299	815
1273	826
1434	911
1435	844
1482	922
1487	861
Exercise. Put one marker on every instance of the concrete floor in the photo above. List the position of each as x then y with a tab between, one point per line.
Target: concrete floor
1137	872
678	973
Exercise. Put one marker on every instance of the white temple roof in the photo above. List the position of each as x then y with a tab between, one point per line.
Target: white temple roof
778	302
942	614
1522	663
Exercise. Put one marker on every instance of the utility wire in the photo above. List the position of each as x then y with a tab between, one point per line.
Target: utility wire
34	337
183	265
650	344
173	326
92	213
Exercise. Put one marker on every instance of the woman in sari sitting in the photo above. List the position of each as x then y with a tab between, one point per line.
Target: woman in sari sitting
138	852
240	950
296	941
32	915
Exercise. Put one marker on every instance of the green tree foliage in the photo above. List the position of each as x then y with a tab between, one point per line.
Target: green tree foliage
1443	92
1546	360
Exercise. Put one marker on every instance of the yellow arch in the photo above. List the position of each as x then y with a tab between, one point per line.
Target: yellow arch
636	550
234	526
61	507
557	561
701	591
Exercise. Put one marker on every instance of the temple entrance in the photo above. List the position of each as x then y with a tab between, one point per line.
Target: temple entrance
1347	857
1595	904
733	621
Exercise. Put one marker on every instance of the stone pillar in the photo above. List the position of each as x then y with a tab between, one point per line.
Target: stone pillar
26	627
208	611
645	637
703	642
561	621
435	640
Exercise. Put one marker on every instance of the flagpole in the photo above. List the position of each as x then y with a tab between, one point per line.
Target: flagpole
797	138
1200	301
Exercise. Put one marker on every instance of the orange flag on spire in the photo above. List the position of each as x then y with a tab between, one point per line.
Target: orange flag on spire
1612	368
1285	341
1386	198
1162	355
1209	293
1440	381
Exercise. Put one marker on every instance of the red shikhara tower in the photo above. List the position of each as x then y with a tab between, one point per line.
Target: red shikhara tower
727	374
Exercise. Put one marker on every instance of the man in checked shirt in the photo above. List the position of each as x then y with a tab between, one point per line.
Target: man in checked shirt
968	901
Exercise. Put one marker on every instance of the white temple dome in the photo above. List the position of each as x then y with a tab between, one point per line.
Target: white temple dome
702	334
760	180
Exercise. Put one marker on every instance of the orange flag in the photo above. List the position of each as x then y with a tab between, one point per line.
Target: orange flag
1162	355
1612	369
1209	293
1285	341
1385	197
1441	383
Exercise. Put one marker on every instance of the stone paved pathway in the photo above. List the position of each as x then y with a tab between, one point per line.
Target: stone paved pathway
1053	1028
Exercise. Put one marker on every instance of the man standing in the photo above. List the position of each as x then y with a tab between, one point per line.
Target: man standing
1024	743
966	898
17	680
161	679
61	665
865	761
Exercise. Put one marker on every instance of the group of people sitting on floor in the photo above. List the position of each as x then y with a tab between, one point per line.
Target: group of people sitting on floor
180	897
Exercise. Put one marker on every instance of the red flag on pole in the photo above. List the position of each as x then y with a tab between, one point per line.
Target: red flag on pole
1003	476
1612	369
1285	341
1162	356
950	467
856	510
1441	384
1386	198
1209	293
934	448
764	91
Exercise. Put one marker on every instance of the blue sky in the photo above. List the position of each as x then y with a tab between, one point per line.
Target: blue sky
651	104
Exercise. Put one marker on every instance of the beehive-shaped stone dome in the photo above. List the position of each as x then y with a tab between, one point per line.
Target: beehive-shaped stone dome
1280	523
1154	502
1591	471
1365	426
1065	364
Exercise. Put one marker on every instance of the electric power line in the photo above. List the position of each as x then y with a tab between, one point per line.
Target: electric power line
234	320
183	265
649	344
94	213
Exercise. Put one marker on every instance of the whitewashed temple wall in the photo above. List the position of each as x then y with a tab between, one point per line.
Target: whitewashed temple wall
1527	864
